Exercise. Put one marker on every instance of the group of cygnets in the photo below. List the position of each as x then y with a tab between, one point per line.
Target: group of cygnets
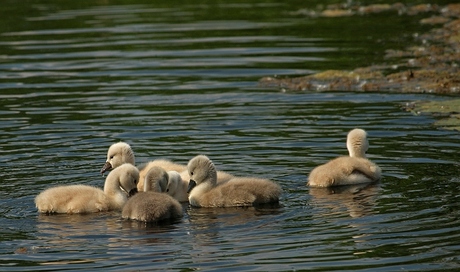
162	184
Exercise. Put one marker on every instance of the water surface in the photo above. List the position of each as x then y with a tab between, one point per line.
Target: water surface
177	80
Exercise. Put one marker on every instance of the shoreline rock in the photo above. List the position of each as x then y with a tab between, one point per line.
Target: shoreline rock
430	67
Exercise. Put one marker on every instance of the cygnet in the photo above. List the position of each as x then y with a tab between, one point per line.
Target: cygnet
122	152
152	205
347	170
171	183
119	184
204	191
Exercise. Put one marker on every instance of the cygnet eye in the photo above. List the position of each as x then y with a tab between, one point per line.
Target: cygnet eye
111	157
167	190
191	173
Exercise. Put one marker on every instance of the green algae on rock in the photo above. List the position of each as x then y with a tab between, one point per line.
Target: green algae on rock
448	111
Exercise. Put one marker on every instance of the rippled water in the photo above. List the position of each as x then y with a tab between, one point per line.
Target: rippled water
177	80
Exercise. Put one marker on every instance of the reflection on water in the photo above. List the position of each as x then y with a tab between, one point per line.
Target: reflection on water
204	221
177	80
358	200
73	232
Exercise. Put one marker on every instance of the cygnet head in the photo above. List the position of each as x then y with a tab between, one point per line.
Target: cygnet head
118	154
156	180
128	177
357	143
174	182
201	169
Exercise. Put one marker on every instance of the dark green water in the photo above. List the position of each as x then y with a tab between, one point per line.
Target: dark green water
176	80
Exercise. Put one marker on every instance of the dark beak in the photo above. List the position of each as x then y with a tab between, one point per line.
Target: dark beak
107	166
132	192
191	185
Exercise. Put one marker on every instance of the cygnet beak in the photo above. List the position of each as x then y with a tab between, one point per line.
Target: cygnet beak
107	166
191	185
132	192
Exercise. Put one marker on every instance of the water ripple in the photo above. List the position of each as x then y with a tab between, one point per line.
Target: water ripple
174	83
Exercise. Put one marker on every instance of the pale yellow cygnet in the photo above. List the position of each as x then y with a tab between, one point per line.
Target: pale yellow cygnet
152	205
118	154
167	165
222	177
122	152
119	184
347	170
177	187
204	191
171	183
